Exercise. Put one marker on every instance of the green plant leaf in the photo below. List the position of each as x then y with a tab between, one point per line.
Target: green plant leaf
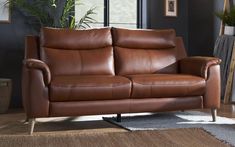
228	17
83	23
45	12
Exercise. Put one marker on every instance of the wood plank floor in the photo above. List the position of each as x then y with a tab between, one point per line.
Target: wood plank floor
227	110
11	122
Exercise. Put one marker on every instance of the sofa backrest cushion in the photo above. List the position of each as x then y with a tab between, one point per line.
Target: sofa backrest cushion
77	52
143	39
145	51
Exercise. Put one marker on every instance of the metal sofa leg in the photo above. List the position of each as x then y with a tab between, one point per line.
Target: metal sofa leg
119	118
214	114
31	125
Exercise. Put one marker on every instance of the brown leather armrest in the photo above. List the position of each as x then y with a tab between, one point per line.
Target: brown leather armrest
198	65
38	64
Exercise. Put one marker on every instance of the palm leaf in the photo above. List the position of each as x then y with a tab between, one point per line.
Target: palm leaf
46	12
34	8
83	22
69	6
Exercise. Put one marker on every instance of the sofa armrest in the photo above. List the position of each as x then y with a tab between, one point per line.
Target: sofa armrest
40	65
35	79
209	69
198	65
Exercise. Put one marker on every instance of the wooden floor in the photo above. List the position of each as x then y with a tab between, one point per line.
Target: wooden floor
227	110
12	122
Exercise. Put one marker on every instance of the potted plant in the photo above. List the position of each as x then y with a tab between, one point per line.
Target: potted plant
49	13
228	18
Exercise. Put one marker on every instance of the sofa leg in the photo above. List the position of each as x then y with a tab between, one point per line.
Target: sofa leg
214	114
119	118
31	125
26	120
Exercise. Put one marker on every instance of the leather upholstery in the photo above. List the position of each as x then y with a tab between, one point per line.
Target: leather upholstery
165	104
88	88
198	65
90	52
146	51
35	93
82	62
136	61
180	49
124	106
144	39
75	39
71	72
89	107
213	91
38	64
166	85
32	45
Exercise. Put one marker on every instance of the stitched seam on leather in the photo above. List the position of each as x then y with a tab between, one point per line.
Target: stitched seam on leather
69	93
132	88
170	47
81	64
204	70
129	105
206	73
151	88
91	86
192	84
112	90
76	49
150	59
132	85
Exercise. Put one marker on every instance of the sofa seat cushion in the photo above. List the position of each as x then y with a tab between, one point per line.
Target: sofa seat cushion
88	88
166	85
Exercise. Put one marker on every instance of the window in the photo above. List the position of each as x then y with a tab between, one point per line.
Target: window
116	13
123	13
80	11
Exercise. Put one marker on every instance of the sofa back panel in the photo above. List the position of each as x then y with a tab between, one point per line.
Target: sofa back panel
144	39
181	52
32	47
144	61
76	39
80	62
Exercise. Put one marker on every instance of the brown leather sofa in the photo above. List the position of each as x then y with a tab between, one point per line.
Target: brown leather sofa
114	71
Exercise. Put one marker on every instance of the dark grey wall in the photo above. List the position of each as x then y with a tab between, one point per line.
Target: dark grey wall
196	23
157	20
12	37
200	27
218	6
12	52
203	25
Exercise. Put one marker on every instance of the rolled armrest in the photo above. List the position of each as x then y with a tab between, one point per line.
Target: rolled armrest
38	64
198	65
